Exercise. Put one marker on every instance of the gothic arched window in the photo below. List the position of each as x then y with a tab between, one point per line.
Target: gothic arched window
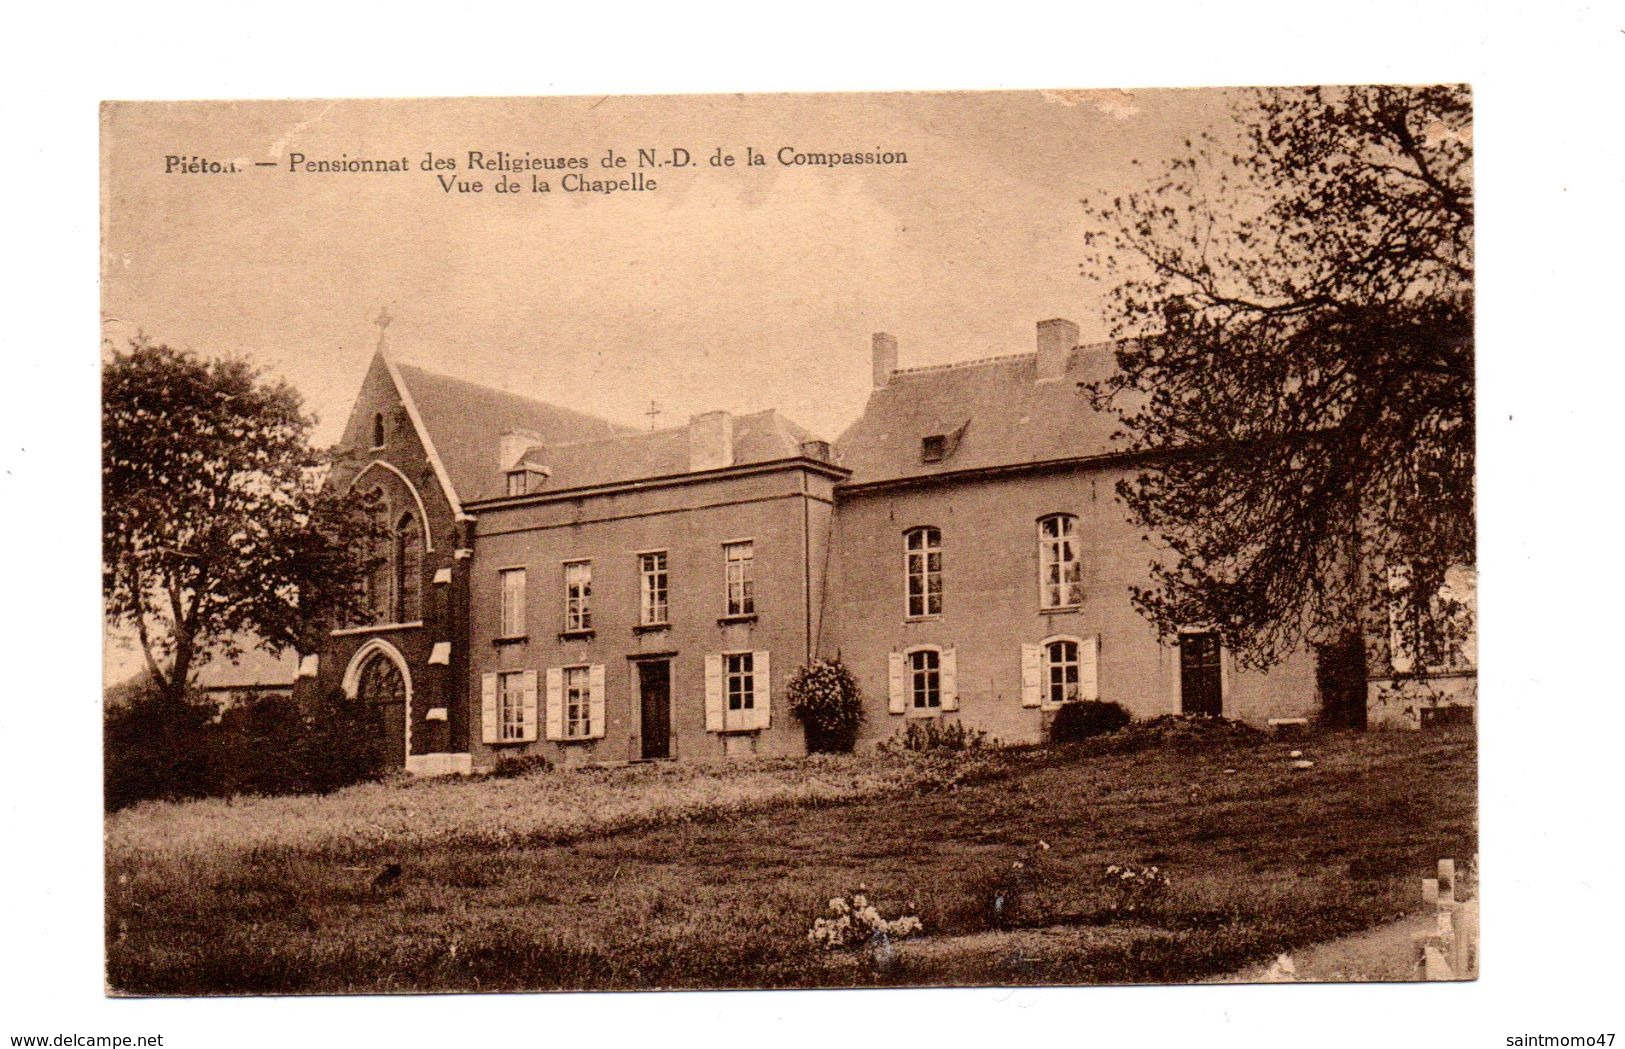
408	563
380	581
380	681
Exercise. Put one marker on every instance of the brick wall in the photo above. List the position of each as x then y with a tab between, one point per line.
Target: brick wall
779	511
991	608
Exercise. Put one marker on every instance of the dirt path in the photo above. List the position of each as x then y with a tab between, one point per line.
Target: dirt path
1382	953
1379	954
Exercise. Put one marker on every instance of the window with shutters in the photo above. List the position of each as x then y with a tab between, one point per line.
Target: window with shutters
739	680
511	586
922	570
511	706
925	679
1061	672
739	560
577	596
577	702
652	603
1060	574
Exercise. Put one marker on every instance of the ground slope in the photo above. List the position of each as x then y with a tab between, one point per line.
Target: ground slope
1261	857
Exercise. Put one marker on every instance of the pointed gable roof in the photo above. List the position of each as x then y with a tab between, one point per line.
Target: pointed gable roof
992	413
461	424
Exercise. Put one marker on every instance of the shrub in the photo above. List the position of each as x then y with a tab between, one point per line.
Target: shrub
1182	732
826	699
853	921
512	766
260	747
1002	895
1133	888
155	748
1081	720
340	745
934	735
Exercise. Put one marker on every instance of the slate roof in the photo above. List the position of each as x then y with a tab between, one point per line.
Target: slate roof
992	412
466	421
758	438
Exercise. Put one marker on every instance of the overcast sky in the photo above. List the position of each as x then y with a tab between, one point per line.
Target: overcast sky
734	288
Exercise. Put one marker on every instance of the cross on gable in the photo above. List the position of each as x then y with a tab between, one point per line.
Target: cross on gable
382	322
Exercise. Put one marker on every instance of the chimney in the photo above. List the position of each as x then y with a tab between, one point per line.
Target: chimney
885	358
710	441
514	445
1056	339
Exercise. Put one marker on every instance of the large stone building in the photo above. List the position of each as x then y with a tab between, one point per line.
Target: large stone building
563	586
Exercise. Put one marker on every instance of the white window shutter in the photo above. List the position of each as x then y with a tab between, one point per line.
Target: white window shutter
948	678
595	681
1030	675
529	707
897	674
713	692
488	708
1089	669
555	703
761	671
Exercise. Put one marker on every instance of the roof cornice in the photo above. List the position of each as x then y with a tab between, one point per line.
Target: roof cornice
1072	462
980	472
818	466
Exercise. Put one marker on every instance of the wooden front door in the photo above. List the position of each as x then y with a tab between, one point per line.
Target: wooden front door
1201	687
382	691
1340	677
654	688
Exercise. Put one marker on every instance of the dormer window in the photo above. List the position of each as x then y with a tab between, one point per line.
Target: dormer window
526	478
936	447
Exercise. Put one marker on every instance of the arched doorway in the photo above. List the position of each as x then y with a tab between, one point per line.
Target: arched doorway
379	683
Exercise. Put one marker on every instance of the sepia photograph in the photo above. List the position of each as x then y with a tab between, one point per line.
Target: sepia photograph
748	541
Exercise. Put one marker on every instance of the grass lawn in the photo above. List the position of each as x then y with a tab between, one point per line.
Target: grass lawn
683	877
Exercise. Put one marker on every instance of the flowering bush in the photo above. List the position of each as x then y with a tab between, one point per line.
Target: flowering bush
853	921
1133	887
825	698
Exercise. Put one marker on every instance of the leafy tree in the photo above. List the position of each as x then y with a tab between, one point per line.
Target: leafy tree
1295	296
215	521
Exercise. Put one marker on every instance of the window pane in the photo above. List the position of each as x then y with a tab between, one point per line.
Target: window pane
511	704
513	602
577	594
